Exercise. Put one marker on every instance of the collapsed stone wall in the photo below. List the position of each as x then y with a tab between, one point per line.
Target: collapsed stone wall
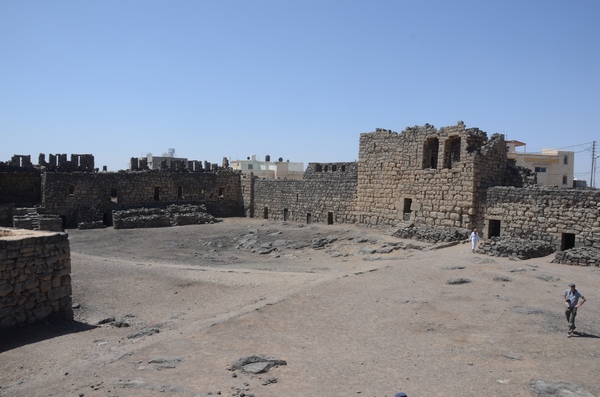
324	195
172	215
515	247
427	176
35	277
84	197
558	216
582	256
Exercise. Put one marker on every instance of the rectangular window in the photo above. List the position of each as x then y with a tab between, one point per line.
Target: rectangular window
71	189
156	193
113	195
566	160
250	166
565	179
180	192
540	169
221	191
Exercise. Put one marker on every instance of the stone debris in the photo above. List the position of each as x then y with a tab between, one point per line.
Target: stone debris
145	332
256	364
172	215
544	388
582	256
431	234
515	247
456	281
502	278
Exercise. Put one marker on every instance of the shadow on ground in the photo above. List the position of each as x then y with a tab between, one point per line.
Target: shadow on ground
16	337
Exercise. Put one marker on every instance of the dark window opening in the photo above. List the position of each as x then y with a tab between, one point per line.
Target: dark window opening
325	169
71	189
567	241
406	211
285	214
180	192
221	190
266	213
113	195
494	228
156	193
540	169
308	218
297	196
330	218
343	168
430	153
334	168
565	179
318	168
566	160
451	151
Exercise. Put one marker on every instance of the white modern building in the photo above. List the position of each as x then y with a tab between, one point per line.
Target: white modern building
553	167
269	169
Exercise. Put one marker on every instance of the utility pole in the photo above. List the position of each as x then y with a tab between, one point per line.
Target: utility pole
593	171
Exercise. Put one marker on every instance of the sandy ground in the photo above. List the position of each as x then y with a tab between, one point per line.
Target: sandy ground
348	321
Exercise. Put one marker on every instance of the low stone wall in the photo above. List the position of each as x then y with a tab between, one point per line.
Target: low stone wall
515	247
545	213
431	234
583	256
35	277
173	215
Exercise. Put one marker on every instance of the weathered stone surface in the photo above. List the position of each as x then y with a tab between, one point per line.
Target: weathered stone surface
27	292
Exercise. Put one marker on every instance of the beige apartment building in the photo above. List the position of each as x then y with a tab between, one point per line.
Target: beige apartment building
269	169
553	167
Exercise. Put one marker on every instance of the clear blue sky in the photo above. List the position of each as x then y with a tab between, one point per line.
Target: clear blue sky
294	79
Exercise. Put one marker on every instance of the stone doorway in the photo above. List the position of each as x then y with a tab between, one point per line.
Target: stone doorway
567	241
494	228
406	210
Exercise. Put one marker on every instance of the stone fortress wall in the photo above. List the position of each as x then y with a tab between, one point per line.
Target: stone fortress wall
84	197
422	176
566	218
35	280
324	195
427	176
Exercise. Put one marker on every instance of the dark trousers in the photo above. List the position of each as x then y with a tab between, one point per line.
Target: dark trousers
571	313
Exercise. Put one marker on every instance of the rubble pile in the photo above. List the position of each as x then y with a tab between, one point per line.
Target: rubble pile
582	256
173	215
515	247
431	234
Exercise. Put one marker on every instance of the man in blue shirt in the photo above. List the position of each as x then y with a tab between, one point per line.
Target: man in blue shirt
572	303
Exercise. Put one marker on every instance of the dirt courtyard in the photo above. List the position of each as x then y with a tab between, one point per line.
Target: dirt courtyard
352	311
